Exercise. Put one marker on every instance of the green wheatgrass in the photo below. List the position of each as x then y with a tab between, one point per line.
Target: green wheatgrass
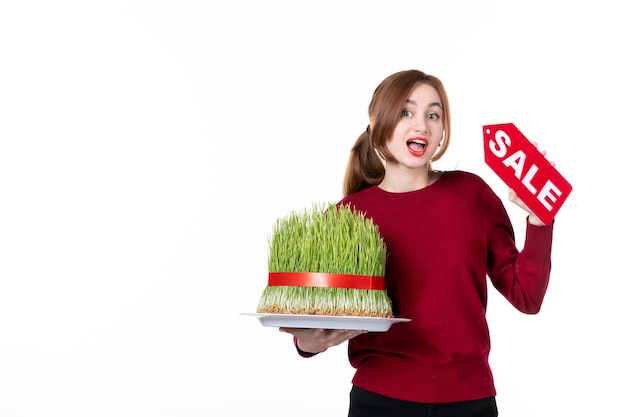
330	239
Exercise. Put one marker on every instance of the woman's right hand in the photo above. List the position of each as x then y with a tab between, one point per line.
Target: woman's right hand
318	340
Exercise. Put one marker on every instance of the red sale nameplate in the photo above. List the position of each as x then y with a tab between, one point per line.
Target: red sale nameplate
523	168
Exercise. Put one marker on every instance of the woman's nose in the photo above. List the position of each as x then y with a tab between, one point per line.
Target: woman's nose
419	126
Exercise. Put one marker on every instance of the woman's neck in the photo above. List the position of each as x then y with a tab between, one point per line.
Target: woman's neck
402	181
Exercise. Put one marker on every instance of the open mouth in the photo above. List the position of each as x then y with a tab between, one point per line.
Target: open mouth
417	146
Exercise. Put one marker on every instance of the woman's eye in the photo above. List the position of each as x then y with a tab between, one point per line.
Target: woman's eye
406	113
433	116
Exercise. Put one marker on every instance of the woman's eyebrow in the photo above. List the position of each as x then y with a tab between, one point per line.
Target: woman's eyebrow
433	104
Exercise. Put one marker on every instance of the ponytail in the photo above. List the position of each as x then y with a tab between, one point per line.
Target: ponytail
365	167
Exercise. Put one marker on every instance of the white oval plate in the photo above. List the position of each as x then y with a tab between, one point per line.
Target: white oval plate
313	321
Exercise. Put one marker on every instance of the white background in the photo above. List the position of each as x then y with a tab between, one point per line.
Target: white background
148	146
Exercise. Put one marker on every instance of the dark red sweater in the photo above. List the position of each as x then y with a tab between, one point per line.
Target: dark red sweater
444	241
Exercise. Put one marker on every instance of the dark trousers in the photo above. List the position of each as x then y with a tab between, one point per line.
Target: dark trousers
367	404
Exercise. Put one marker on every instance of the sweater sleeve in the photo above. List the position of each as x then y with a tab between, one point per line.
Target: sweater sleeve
520	276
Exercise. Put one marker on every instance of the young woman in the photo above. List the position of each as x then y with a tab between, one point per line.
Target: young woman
446	232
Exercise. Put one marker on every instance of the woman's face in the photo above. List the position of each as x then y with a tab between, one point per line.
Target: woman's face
419	132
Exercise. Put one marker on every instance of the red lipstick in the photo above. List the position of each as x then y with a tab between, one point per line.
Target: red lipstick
417	145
